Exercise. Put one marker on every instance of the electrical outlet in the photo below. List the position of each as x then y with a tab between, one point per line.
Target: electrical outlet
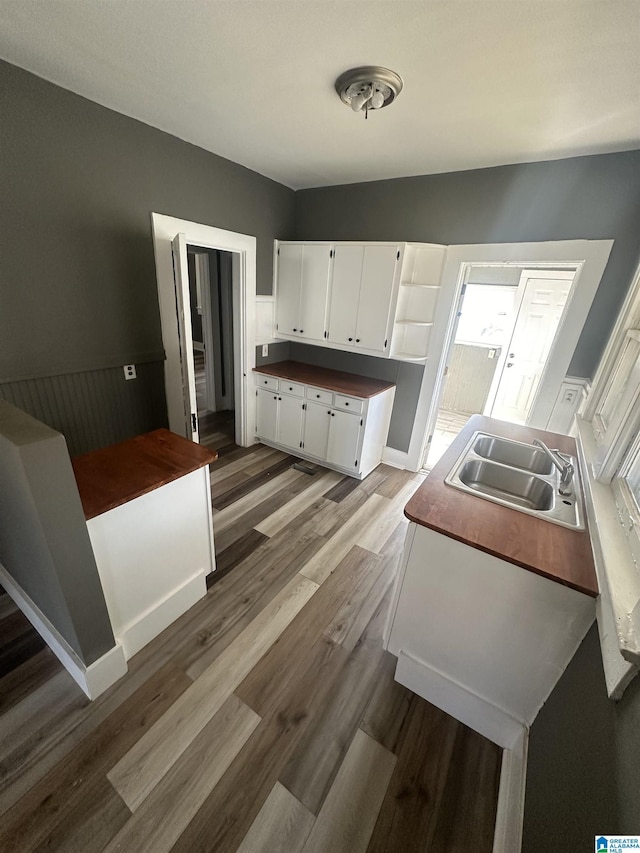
570	396
491	353
129	371
265	350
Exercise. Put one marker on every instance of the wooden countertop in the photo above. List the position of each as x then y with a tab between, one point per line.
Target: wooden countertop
110	477
322	377
555	552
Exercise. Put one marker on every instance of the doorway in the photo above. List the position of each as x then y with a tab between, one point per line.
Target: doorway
171	236
502	337
211	304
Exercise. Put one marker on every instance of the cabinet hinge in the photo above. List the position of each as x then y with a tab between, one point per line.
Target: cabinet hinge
361	421
325	334
385	342
356	463
398	255
304	406
194	422
278	251
300	444
331	253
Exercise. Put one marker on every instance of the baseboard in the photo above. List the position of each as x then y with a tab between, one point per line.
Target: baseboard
458	701
395	458
137	634
93	679
510	814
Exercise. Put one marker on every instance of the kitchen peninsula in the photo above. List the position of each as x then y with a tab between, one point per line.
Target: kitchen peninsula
147	505
491	603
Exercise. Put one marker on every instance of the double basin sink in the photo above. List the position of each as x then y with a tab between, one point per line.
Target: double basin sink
520	476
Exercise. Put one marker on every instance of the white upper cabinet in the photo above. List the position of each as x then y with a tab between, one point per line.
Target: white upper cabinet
301	290
374	298
376	294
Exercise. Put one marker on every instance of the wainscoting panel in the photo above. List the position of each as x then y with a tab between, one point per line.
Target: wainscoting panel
94	408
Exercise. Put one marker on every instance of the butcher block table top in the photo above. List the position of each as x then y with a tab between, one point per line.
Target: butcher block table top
110	477
322	377
559	553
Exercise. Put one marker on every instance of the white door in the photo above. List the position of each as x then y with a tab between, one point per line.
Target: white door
376	287
344	439
290	421
314	290
316	429
185	338
289	283
267	414
543	302
345	294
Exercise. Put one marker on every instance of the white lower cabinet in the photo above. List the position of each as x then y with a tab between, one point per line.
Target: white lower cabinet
344	439
279	418
345	433
317	421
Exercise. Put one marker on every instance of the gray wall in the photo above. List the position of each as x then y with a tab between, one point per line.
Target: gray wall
585	197
78	183
406	376
583	775
44	543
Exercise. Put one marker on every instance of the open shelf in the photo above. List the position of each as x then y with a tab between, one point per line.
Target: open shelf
415	322
408	356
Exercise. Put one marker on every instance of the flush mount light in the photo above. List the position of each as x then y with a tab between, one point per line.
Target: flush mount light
368	88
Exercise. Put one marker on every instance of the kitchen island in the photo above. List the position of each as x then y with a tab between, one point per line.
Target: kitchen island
490	603
147	505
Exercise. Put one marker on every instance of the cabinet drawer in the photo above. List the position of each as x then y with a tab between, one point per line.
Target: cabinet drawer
267	382
320	395
349	404
292	388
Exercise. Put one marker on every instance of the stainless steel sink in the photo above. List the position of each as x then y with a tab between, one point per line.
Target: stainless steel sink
513	453
519	476
510	484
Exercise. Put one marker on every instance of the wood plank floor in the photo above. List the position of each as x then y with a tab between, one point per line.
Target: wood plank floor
267	717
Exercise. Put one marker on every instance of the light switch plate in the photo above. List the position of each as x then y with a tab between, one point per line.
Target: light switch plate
265	350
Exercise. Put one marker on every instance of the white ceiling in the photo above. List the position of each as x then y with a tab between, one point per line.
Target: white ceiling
486	81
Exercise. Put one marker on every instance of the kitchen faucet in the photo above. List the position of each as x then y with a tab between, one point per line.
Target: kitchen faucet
562	464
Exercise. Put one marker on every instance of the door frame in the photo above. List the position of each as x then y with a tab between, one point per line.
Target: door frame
589	257
243	249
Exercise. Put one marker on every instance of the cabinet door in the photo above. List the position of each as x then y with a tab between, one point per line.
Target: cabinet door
345	292
316	429
314	290
288	288
376	289
344	439
290	421
267	414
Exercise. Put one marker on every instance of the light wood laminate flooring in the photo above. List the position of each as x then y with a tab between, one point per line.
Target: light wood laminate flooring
267	717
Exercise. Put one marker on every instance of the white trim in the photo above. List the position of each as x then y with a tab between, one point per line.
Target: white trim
93	679
618	610
458	701
243	249
591	254
395	458
148	625
507	836
565	409
628	318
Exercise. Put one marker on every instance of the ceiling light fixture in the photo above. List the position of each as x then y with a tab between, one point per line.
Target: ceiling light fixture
369	87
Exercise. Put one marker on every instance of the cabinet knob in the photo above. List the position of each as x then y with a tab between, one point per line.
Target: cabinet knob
302	331
350	339
357	340
290	388
266	382
318	396
333	414
279	398
275	398
328	411
346	404
295	330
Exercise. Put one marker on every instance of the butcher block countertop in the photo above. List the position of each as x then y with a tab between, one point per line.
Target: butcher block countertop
110	477
555	552
322	377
